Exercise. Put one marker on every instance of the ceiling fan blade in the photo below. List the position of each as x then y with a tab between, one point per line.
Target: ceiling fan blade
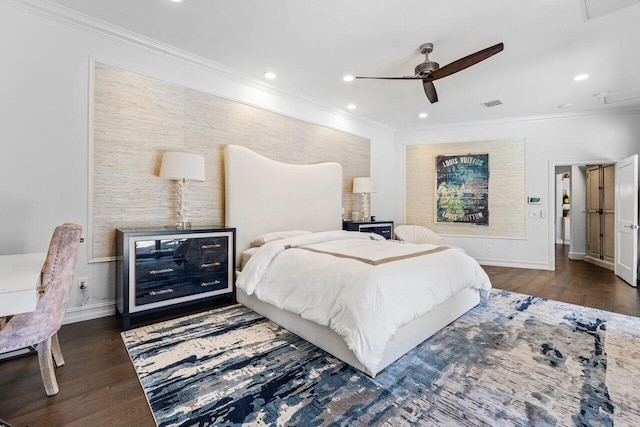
466	62
430	90
392	78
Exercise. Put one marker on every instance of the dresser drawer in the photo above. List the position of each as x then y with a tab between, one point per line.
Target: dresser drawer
177	287
155	249
383	228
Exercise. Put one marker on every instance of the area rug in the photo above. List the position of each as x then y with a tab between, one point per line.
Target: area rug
512	360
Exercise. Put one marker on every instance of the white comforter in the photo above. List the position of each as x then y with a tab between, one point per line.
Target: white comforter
365	304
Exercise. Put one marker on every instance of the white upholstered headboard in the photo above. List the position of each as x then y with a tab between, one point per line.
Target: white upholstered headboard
264	195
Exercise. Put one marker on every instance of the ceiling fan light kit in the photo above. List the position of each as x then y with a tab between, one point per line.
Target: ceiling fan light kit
428	70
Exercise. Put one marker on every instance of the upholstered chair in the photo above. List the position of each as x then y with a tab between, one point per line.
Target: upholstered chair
417	234
39	328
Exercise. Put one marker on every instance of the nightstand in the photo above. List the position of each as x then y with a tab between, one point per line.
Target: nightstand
161	268
383	228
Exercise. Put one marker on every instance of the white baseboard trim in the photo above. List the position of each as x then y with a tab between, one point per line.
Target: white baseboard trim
16	353
513	264
88	312
577	255
599	262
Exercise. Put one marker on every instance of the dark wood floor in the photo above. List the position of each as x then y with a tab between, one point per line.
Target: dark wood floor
99	387
575	282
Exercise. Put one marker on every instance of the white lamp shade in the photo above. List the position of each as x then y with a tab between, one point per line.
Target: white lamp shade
364	185
179	166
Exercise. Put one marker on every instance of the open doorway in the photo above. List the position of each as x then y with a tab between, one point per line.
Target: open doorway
563	205
571	210
625	252
568	202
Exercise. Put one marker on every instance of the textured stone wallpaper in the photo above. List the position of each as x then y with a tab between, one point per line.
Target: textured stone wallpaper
135	118
506	187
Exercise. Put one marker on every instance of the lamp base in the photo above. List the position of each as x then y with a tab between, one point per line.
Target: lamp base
366	212
183	225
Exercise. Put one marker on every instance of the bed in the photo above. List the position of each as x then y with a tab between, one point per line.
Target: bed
264	197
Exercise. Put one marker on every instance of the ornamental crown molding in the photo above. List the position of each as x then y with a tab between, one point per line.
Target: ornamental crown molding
102	28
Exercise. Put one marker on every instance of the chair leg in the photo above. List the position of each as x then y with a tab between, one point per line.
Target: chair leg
55	351
46	367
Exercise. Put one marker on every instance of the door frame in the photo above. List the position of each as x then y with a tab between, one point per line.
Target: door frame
552	199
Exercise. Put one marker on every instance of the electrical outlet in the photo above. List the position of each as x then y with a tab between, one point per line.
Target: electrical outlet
82	284
488	248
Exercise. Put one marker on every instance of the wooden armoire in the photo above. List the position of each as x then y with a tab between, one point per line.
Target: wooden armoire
600	215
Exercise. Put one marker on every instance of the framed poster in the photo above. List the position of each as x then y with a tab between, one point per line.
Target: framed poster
462	189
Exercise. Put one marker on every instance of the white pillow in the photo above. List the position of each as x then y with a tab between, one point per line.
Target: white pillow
275	235
245	256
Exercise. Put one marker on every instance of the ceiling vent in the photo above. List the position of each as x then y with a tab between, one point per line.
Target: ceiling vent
492	103
614	98
592	9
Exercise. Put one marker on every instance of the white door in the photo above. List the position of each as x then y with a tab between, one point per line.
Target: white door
626	223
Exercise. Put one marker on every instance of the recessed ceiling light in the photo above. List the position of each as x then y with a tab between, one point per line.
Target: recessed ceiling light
352	106
269	75
580	77
565	105
423	115
348	78
176	1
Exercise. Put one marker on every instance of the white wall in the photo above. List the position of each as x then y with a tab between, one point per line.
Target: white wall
567	140
44	118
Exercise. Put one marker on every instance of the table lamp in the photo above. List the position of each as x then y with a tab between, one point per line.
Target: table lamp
182	167
364	186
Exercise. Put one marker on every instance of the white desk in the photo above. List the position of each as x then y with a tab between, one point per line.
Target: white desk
19	278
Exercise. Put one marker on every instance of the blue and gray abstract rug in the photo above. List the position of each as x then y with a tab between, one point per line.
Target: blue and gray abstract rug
513	360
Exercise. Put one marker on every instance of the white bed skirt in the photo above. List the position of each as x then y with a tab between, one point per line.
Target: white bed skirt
406	337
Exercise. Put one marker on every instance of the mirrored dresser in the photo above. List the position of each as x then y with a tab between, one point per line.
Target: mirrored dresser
159	269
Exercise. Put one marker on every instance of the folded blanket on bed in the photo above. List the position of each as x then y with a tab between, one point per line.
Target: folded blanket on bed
360	285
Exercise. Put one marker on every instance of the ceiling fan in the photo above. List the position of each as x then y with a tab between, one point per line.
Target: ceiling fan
428	71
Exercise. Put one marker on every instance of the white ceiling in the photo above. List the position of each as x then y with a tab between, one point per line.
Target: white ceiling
312	44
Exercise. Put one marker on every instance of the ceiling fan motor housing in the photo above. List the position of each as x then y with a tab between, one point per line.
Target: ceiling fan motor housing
426	68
